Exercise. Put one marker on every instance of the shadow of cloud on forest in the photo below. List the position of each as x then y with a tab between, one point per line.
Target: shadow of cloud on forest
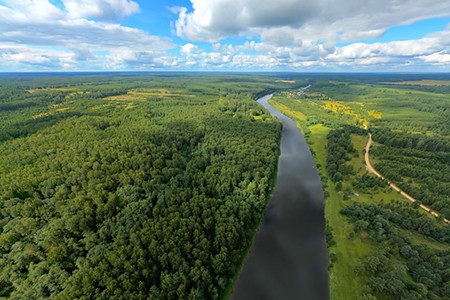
31	126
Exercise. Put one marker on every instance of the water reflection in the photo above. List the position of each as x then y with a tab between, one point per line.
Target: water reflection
288	258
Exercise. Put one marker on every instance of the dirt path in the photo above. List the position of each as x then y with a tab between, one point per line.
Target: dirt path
372	170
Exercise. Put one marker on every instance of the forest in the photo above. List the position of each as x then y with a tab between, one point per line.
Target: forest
131	186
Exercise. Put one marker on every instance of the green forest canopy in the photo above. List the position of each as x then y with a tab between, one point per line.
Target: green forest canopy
126	199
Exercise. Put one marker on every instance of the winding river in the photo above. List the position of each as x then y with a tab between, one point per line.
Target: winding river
288	258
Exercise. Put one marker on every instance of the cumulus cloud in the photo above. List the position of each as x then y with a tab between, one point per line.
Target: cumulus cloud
31	58
291	21
429	48
32	25
287	35
139	60
302	34
437	58
100	9
21	12
188	48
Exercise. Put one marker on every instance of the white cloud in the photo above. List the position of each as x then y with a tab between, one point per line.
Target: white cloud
30	58
21	12
288	22
409	49
100	9
37	24
437	58
291	35
312	55
188	48
14	55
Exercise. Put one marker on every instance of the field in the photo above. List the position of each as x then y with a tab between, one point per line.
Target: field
147	94
421	82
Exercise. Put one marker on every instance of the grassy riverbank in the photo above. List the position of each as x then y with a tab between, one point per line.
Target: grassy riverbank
343	283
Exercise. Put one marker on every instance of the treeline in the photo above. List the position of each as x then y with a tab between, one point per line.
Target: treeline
154	202
400	269
339	149
264	92
403	140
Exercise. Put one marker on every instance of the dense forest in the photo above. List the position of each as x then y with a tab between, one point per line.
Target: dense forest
140	187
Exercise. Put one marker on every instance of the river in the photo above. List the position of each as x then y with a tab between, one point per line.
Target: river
288	258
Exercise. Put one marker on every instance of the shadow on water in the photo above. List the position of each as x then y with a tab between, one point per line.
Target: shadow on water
288	258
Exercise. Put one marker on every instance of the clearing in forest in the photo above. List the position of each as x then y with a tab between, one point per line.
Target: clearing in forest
421	82
144	93
61	89
286	81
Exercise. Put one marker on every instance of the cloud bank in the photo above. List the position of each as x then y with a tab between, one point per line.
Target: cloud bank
306	34
292	35
32	30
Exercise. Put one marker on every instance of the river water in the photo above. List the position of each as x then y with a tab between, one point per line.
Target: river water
288	258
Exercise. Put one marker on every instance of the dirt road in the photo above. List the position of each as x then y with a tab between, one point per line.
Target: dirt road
372	170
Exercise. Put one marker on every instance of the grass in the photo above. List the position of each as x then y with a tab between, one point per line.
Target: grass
408	109
344	284
145	93
292	113
53	109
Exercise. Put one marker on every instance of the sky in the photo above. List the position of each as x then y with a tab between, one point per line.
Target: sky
225	35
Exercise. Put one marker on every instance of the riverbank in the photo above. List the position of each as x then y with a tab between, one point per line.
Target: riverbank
229	290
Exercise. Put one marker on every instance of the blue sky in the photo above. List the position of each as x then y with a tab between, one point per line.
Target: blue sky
225	35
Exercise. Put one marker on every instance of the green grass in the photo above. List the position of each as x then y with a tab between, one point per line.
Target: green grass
344	284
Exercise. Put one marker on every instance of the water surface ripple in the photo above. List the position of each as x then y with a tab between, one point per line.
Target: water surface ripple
288	258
